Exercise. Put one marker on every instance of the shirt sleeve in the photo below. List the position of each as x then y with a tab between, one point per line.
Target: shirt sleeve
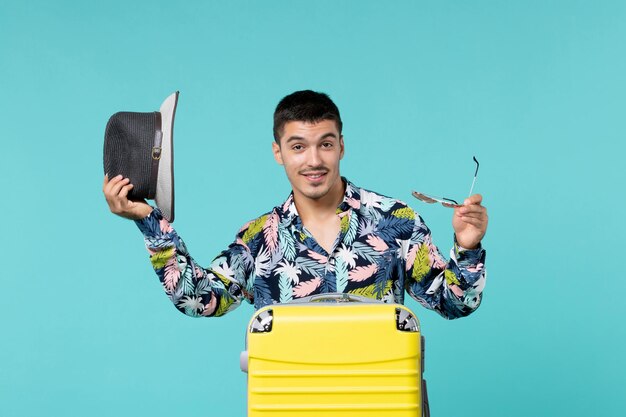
452	288
194	290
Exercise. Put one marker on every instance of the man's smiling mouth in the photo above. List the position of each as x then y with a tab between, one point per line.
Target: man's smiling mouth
314	175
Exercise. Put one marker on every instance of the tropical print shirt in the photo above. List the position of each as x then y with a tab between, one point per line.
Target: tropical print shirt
383	249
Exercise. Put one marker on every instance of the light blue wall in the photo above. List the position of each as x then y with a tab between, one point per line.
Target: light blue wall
536	90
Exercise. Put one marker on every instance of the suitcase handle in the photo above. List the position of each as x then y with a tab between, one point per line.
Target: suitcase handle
335	296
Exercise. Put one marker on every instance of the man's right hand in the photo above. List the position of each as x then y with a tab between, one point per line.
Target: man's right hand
115	191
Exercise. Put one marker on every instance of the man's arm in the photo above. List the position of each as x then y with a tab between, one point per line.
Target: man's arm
452	288
194	290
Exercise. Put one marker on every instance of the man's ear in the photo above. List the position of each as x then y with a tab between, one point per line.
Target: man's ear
277	155
341	146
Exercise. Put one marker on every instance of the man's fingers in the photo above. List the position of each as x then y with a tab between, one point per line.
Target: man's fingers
479	223
124	191
473	199
116	191
115	188
106	183
479	216
109	183
472	209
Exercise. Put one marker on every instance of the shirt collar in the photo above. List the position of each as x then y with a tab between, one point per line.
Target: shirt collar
351	200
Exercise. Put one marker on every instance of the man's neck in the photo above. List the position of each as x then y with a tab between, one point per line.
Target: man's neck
322	208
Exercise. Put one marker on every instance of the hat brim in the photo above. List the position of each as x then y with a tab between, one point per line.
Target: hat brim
164	197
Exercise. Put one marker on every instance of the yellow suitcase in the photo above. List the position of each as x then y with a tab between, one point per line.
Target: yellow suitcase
335	355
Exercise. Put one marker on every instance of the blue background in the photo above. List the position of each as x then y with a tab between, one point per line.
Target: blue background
536	90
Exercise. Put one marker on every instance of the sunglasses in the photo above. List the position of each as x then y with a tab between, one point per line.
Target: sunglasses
446	202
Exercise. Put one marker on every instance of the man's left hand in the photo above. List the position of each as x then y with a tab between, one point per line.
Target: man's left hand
470	222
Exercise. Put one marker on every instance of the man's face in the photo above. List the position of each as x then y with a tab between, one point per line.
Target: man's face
310	153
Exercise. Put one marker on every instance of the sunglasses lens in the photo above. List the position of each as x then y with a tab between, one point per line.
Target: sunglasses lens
424	198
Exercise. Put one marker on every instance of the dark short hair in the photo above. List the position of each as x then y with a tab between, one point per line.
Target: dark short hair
304	106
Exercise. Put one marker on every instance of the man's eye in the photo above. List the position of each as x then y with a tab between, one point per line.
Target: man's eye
297	147
327	144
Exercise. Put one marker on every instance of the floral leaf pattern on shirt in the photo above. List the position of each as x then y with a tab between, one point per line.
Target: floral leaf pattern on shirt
383	250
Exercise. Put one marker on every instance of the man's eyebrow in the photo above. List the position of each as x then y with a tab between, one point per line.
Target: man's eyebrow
296	137
292	138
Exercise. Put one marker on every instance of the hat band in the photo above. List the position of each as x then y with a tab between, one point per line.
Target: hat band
156	154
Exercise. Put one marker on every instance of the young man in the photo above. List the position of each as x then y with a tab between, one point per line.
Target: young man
328	236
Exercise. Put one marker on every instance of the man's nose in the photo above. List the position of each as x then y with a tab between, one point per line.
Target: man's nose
314	157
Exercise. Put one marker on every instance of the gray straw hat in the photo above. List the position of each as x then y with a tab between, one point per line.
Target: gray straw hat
139	146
